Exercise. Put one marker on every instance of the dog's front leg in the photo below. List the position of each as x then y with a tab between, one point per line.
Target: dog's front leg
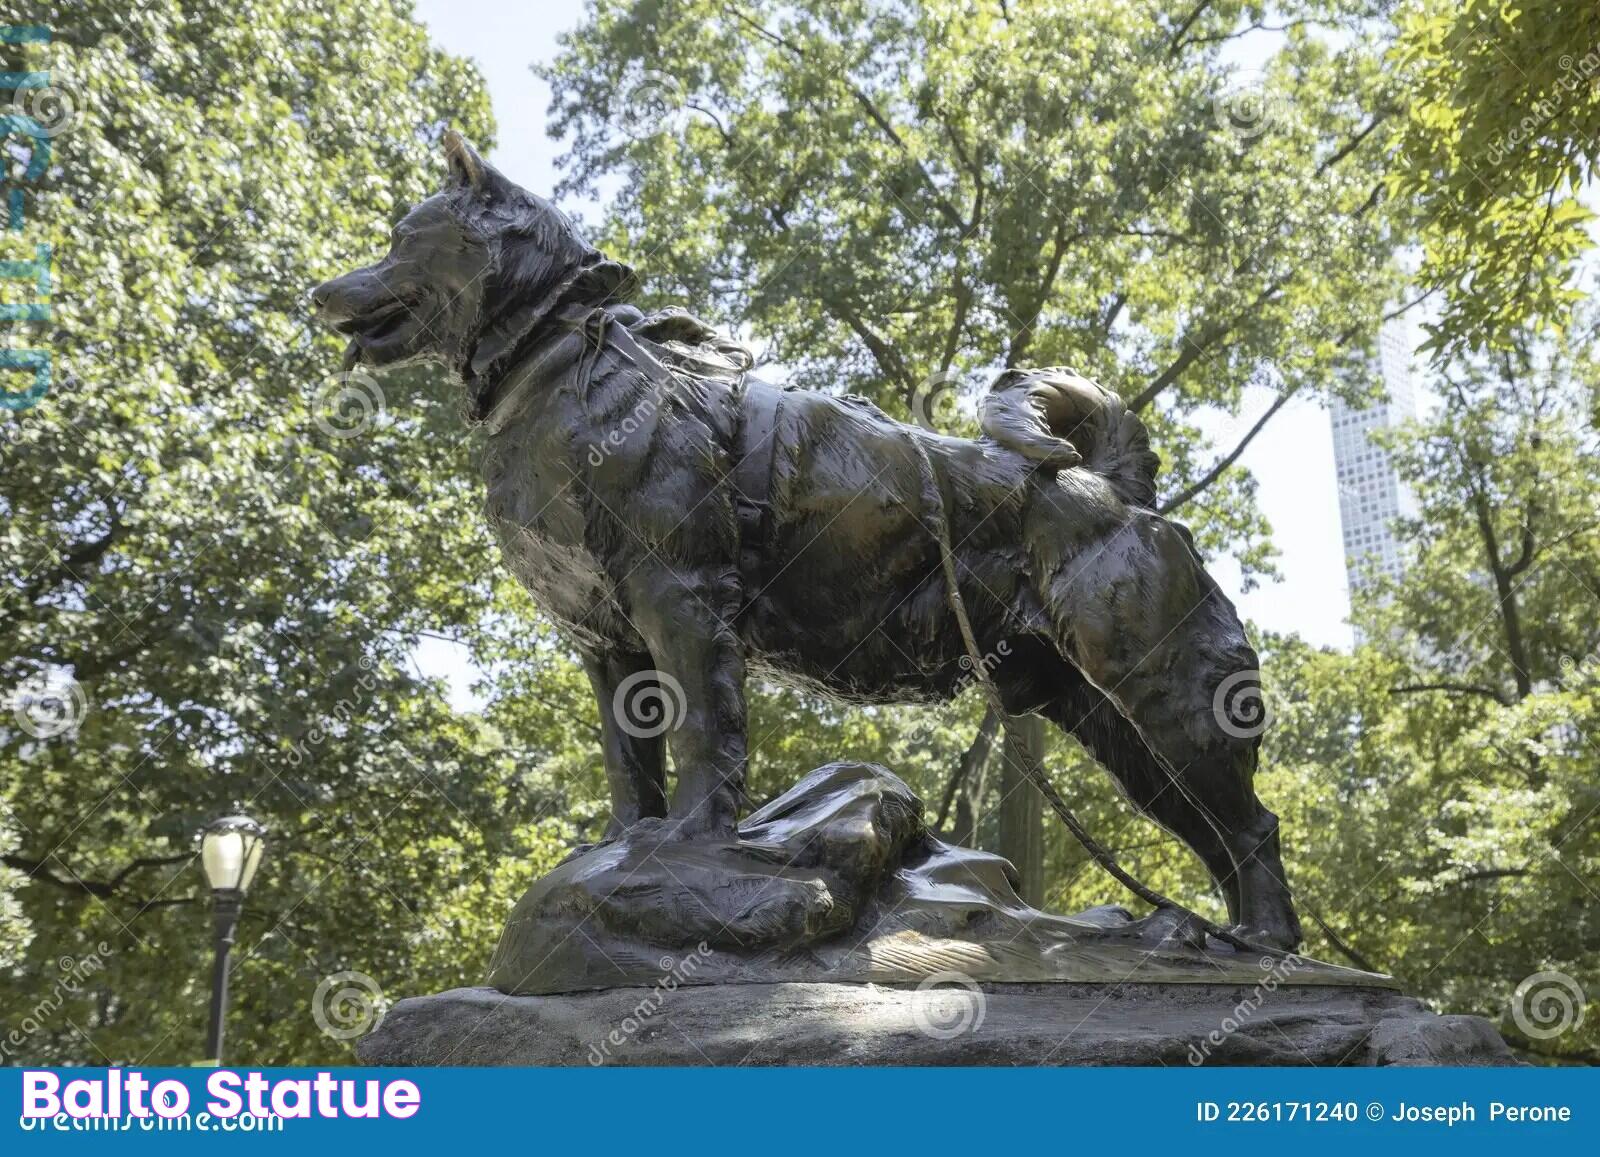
631	748
686	619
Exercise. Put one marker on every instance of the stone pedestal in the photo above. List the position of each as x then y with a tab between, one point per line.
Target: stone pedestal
836	929
866	1024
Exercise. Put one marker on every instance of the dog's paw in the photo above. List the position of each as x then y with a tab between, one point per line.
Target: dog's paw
1278	939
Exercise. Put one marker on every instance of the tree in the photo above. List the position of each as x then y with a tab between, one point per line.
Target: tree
210	584
1449	767
1501	131
1506	531
14	930
898	200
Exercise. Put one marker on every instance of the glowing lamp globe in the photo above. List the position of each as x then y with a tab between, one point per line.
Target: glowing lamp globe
230	852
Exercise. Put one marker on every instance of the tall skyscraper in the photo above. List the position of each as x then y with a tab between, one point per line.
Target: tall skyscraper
1371	494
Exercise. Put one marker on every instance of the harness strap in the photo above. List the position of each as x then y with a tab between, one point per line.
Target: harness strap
754	446
751	481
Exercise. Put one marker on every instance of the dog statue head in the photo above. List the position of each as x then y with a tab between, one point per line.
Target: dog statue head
470	273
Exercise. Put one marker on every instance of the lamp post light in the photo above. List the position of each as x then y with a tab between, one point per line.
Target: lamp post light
230	853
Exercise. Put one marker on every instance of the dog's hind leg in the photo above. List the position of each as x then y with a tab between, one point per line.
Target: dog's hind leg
1083	712
635	769
1147	626
1037	679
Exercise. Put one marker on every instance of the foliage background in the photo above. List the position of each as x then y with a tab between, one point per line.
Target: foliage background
871	193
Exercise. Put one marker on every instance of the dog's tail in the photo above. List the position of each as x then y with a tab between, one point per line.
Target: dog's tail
1059	419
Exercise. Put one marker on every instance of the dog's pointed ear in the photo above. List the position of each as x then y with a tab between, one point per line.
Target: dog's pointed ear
467	168
470	171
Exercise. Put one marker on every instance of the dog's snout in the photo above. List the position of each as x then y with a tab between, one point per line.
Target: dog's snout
318	294
327	298
344	298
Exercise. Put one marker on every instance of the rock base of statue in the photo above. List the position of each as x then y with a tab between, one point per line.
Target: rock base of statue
837	880
869	1024
837	929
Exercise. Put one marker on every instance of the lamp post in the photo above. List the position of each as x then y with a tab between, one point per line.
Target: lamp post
230	852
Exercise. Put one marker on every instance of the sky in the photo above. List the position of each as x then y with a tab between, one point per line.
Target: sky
1292	459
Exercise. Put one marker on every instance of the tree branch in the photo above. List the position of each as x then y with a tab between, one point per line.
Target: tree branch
1109	318
1353	143
1193	350
72	882
1183	27
1493	874
887	357
86	554
1230	458
1024	337
1456	688
941	202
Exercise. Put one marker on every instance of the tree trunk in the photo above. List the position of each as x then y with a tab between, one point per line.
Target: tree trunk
1510	616
959	790
1021	805
964	832
1516	646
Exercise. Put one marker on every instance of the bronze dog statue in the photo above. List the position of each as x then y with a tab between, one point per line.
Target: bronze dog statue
685	524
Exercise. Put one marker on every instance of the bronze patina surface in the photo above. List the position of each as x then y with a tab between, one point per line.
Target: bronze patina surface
686	525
